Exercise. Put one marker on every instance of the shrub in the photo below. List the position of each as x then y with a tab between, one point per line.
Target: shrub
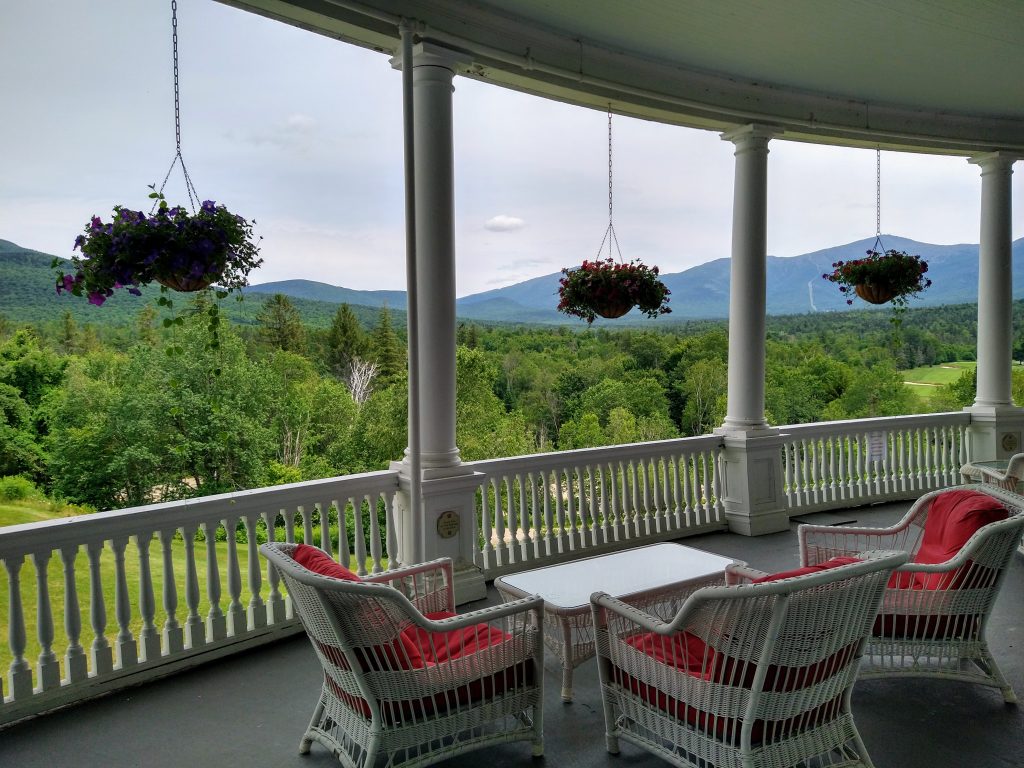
16	488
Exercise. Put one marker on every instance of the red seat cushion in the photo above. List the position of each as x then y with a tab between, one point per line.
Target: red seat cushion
835	562
953	517
318	561
417	648
690	654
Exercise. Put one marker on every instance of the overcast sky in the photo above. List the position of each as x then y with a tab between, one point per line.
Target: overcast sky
303	133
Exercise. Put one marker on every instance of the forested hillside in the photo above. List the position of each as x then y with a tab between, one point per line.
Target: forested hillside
102	415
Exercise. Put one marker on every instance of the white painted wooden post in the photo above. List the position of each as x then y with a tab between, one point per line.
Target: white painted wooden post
47	665
275	602
20	672
126	650
75	663
195	632
149	638
216	623
256	611
100	653
173	634
236	611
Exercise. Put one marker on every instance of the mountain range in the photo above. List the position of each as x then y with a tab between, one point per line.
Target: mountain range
794	286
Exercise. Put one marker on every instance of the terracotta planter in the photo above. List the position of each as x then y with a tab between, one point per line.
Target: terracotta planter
875	294
185	284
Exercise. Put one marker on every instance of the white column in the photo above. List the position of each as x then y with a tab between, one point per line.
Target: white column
447	487
995	284
747	299
751	462
997	425
433	71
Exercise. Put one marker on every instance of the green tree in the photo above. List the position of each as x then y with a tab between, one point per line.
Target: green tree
582	432
386	350
280	326
875	391
345	341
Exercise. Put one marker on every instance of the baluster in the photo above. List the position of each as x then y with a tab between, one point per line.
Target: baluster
657	491
904	459
289	525
590	504
787	472
678	501
173	634
127	652
964	449
256	611
549	524
709	502
489	554
813	461
149	638
195	634
323	512
359	534
634	497
937	457
886	471
563	532
535	534
20	673
307	526
344	550
572	513
100	652
524	516
47	665
394	556
275	602
509	540
216	622
499	523
687	489
236	611
716	485
607	532
75	662
375	553
833	491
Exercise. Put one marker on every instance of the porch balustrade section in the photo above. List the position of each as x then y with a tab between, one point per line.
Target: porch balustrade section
184	554
840	464
540	509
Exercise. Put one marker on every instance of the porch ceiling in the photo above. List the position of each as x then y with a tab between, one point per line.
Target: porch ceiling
925	75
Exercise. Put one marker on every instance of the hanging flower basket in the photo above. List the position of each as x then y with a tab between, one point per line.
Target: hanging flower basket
182	251
611	289
892	276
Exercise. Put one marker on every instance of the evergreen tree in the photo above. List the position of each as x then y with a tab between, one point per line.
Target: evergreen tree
345	341
387	351
280	326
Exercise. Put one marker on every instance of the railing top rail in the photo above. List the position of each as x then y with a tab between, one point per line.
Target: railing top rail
583	456
953	418
49	535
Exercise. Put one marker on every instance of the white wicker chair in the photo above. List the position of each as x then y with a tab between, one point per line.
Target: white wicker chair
381	703
932	622
745	675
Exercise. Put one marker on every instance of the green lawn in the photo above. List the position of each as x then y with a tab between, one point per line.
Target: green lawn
926	381
20	512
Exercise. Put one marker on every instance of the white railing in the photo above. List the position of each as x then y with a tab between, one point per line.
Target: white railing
185	552
849	463
533	510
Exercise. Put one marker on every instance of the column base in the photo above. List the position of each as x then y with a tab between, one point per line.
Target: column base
752	482
469	584
996	431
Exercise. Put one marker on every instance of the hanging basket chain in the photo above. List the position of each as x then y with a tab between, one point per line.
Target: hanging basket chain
609	234
193	196
878	247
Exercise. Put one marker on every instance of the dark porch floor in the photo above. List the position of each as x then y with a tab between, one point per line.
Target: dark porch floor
250	710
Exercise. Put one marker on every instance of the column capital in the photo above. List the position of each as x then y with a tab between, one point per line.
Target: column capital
433	55
994	161
752	133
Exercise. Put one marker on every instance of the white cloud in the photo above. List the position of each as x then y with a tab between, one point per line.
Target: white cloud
503	223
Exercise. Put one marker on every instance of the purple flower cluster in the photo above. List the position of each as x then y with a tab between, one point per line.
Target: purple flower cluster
596	287
170	246
899	271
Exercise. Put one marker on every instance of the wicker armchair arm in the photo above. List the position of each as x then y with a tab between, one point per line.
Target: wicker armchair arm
443	564
523	605
630	612
823	542
741	574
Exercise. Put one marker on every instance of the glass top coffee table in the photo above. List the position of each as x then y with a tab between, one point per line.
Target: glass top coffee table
667	570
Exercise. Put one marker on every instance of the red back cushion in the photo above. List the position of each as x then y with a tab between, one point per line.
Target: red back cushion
318	561
835	562
953	518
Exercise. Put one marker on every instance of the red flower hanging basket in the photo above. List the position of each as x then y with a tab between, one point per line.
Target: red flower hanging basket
874	294
610	289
